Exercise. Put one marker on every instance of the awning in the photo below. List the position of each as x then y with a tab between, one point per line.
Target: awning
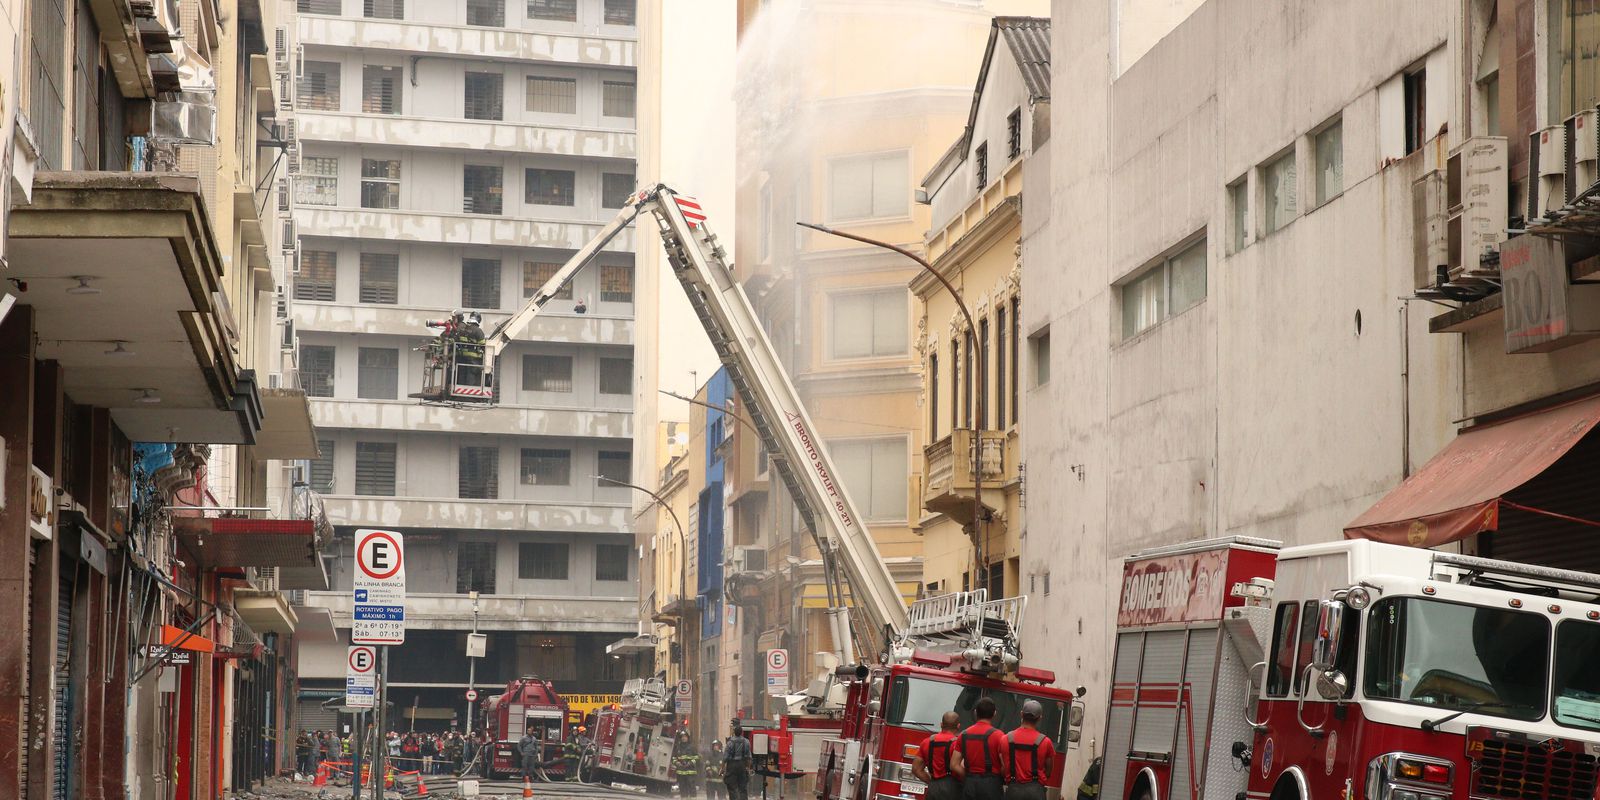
1460	492
643	643
232	542
264	611
180	639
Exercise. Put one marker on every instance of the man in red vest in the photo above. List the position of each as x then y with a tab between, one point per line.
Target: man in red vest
981	756
933	762
1033	756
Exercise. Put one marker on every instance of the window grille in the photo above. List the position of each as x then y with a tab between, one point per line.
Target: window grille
616	283
384	9
619	12
616	465
316	370
380	183
318	181
1014	133
553	10
485	95
546	373
486	13
480	282
542	561
481	189
546	467
616	99
616	376
479	474
475	563
380	278
538	273
322	467
378	373
380	89
615	189
319	86
318	276
551	187
981	165
318	6
611	562
375	468
552	95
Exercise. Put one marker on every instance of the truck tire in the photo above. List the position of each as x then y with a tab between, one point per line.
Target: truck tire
1286	789
1143	791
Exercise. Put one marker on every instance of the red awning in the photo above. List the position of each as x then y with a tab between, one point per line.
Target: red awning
179	639
224	542
1460	491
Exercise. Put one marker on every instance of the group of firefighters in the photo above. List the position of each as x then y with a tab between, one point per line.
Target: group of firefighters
725	768
983	762
530	750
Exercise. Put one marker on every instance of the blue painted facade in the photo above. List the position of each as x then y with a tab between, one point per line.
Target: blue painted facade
710	533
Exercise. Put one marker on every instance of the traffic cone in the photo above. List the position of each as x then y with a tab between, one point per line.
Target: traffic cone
422	786
322	774
527	786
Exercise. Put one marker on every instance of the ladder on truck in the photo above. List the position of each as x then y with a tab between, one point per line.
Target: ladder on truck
983	635
769	399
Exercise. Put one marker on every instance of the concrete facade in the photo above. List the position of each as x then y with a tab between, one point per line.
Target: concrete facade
451	161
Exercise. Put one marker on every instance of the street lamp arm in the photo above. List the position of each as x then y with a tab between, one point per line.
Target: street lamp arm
703	404
683	539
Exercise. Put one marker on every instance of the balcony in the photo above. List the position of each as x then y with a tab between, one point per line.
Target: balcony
498	515
453	228
137	37
367	318
407	415
500	612
467	41
465	134
947	465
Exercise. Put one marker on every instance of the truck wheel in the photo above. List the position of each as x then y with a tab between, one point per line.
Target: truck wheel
1286	789
1142	790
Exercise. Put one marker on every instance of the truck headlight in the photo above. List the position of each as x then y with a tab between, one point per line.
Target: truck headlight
1404	776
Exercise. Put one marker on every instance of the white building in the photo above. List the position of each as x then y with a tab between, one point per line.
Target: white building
451	155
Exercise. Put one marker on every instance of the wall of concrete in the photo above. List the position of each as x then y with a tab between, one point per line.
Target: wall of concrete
590	22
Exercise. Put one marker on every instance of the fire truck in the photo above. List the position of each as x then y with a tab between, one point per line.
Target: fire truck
1352	669
633	741
957	647
528	704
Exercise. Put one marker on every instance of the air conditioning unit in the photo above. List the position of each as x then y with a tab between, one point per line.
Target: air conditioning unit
283	194
291	237
274	380
1430	244
285	92
280	48
290	342
1548	168
1583	153
749	559
1477	193
281	303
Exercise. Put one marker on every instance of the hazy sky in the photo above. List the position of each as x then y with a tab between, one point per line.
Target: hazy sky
697	52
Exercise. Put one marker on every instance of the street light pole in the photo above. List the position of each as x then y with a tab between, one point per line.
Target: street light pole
472	667
683	540
979	566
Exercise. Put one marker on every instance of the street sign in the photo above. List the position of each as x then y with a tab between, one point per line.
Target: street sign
170	655
685	687
777	671
361	676
379	614
683	697
472	694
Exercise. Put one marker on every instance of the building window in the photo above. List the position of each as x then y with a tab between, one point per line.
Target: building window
1330	162
478	473
475	567
384	9
375	468
546	373
318	6
616	99
1238	213
318	89
551	187
869	187
485	93
542	561
933	396
619	12
554	10
979	369
486	13
318	181
616	466
316	370
542	467
1016	366
380	183
318	278
480	282
615	189
378	373
1170	287
874	473
537	273
611	562
380	89
616	376
1039	349
980	165
1000	367
552	95
321	472
616	283
955	383
868	324
1416	100
1014	133
966	388
1573	45
481	189
380	278
1281	187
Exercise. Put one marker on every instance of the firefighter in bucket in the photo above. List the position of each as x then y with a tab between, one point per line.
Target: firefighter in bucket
458	351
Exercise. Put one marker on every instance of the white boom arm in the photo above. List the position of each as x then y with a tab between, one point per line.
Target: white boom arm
769	398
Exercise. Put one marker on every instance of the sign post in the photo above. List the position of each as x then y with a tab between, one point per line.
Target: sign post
379	618
777	672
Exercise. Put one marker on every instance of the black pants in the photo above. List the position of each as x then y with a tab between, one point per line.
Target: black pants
737	779
1032	790
983	786
687	784
946	788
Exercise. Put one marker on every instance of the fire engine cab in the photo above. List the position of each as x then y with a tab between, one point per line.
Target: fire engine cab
528	704
633	741
1352	669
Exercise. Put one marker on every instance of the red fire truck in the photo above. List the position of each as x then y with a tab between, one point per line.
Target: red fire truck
634	740
1352	669
527	704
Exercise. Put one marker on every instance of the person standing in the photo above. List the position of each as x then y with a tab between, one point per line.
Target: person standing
1033	756
934	762
529	749
736	760
686	766
323	749
713	767
981	758
302	752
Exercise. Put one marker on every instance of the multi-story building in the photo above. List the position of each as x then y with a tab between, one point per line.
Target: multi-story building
970	386
451	155
1236	327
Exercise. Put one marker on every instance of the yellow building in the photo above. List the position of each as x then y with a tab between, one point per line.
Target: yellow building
975	193
670	569
841	105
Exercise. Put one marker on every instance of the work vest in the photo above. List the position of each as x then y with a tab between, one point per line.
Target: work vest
986	753
936	751
1025	746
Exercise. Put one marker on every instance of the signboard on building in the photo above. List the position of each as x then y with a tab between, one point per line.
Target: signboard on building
361	676
585	703
379	615
168	654
1544	311
777	671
